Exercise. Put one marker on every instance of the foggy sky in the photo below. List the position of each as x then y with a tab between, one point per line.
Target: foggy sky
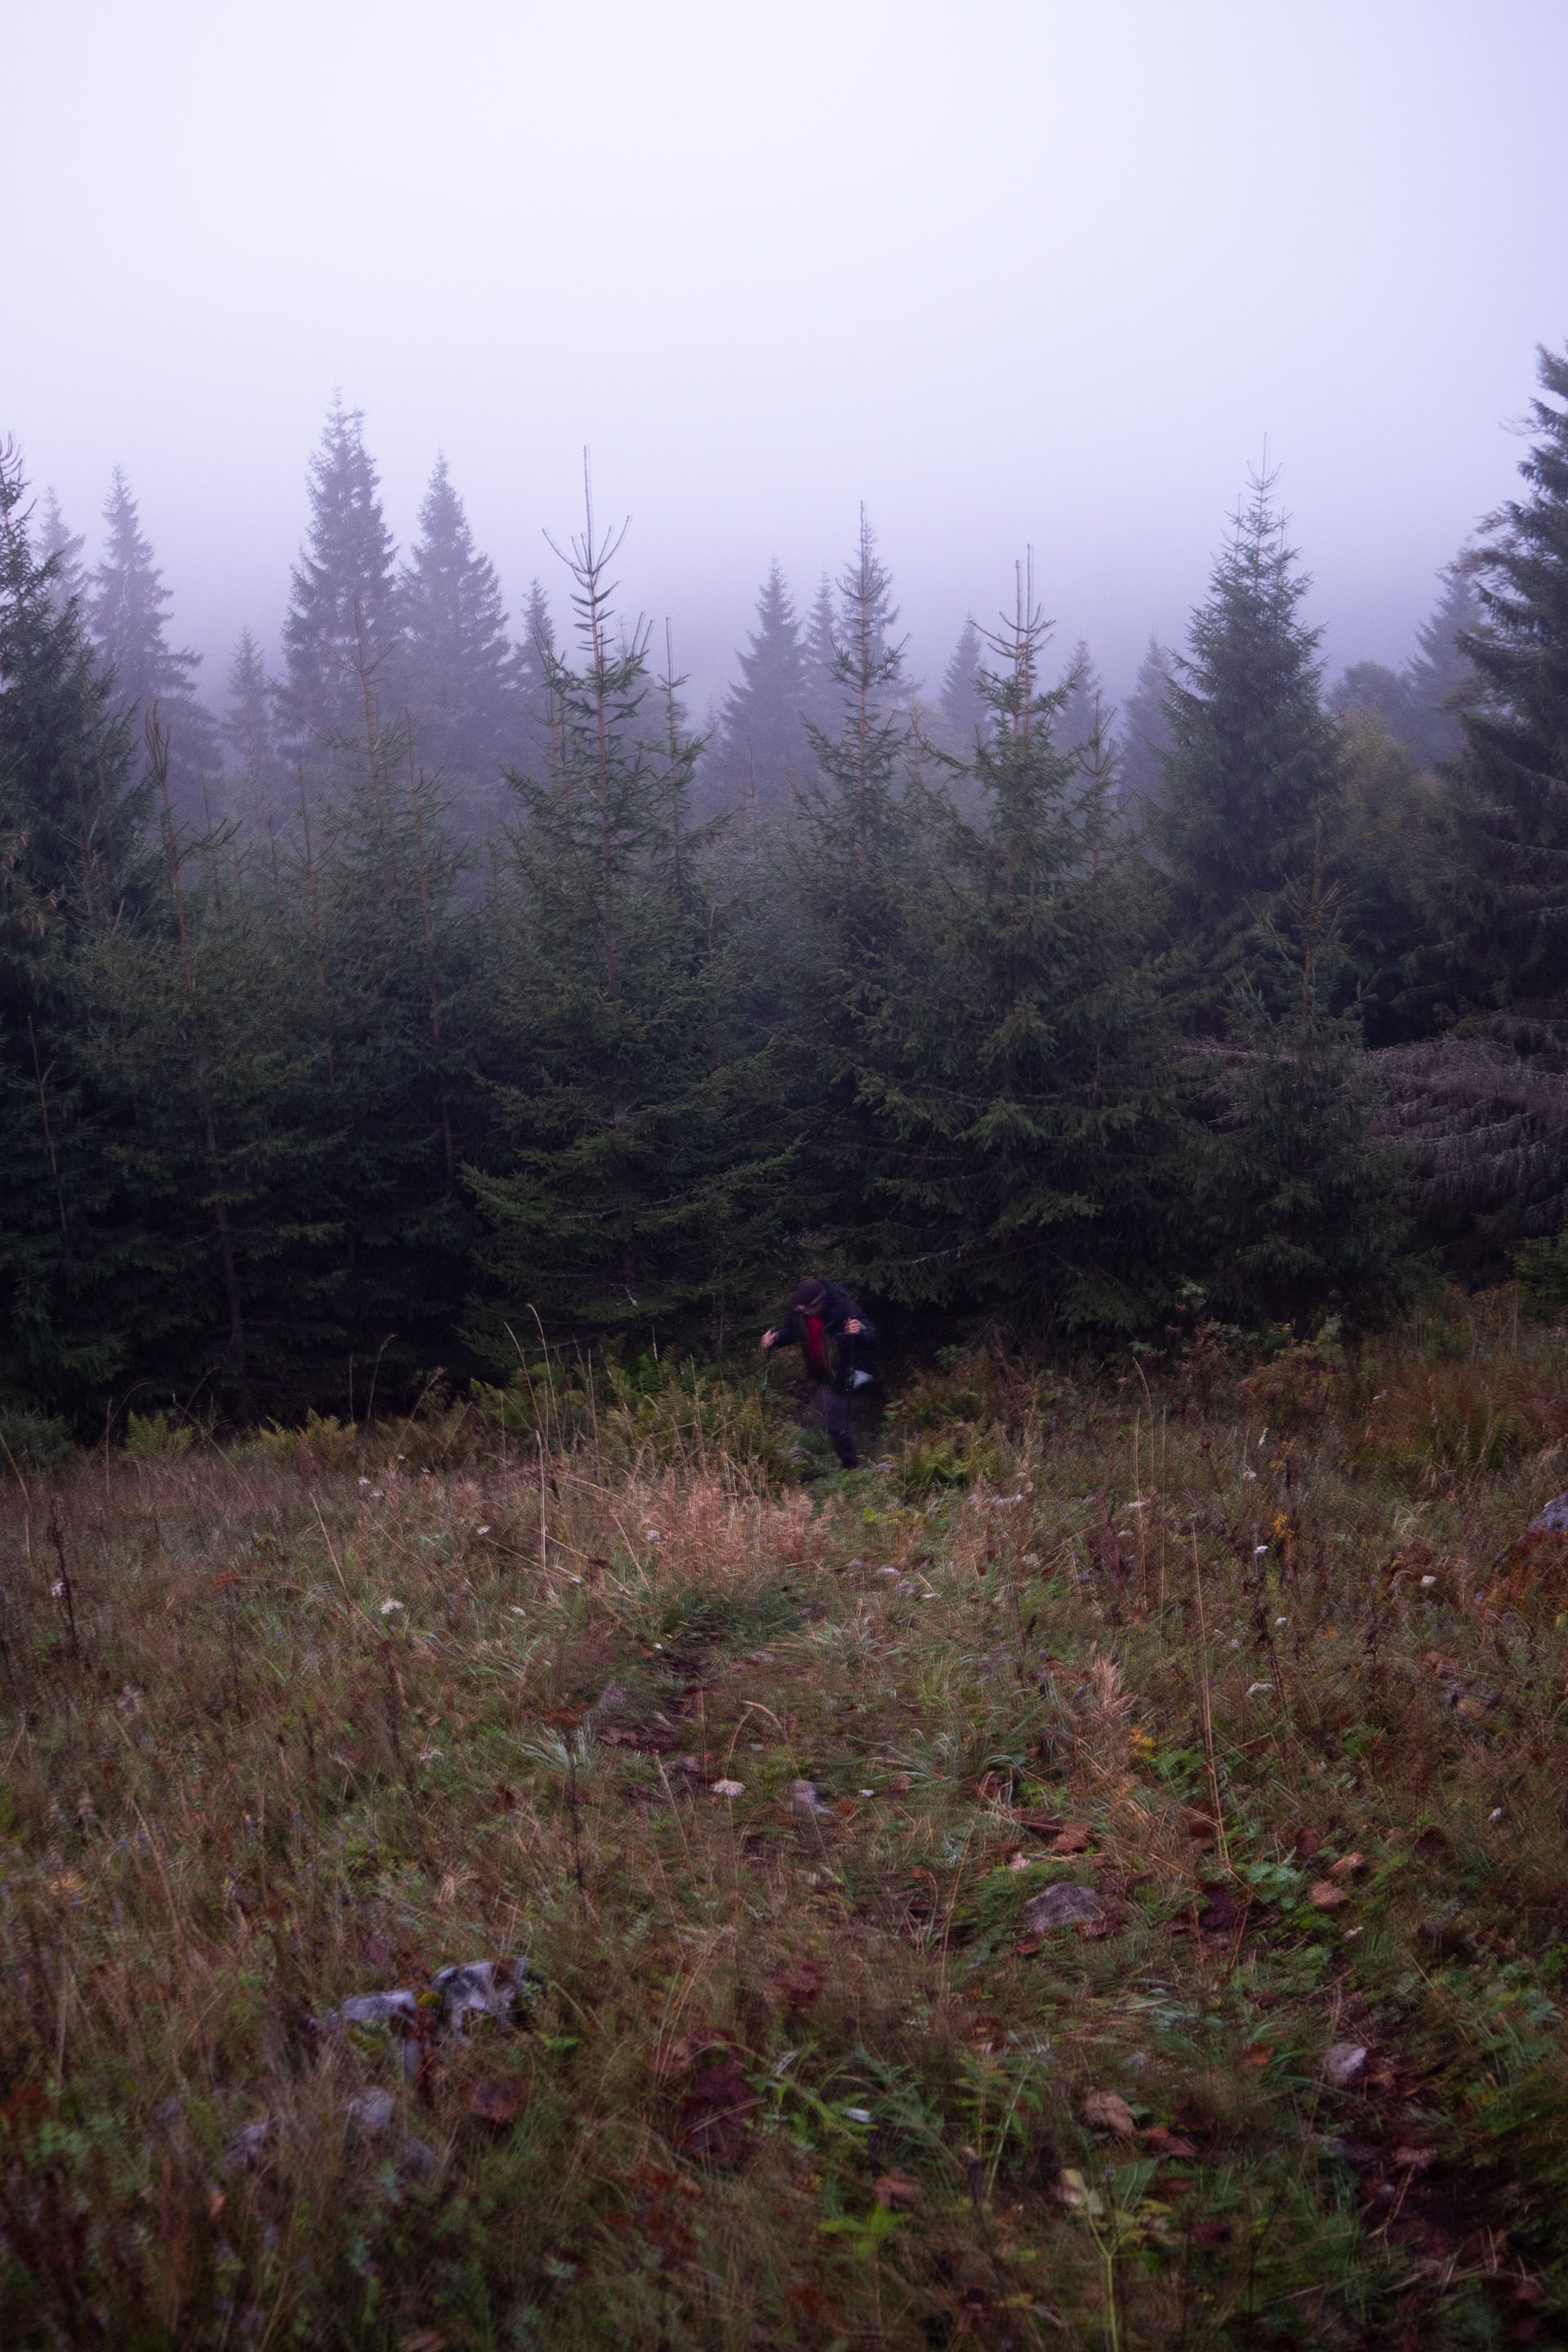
1042	272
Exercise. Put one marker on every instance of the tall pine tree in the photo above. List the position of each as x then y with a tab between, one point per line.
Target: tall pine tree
1014	1068
458	671
1147	741
74	869
128	613
1510	873
964	709
343	628
256	779
819	686
1253	774
761	751
625	1170
57	542
1079	718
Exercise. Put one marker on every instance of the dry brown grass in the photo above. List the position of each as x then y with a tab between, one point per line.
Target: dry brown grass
277	1734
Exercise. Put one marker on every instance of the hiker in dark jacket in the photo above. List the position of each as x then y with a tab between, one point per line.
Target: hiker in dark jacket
838	1341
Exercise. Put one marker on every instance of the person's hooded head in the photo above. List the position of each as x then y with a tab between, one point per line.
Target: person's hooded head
811	1297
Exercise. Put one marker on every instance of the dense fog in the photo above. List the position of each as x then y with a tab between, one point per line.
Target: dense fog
1052	278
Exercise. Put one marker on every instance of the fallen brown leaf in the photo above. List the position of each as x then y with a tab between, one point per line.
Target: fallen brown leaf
496	2098
1073	1839
1325	1895
1347	1865
717	2113
1109	2111
801	1985
897	2191
1165	2142
1211	2234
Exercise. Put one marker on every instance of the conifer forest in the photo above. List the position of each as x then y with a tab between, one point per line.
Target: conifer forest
452	993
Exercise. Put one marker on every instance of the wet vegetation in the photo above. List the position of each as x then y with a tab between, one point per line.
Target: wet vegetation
754	1775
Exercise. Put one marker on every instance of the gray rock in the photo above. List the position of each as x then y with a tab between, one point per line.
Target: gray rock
478	1988
374	2008
370	2114
418	2162
1554	1519
611	1699
1342	2062
806	1799
1062	1906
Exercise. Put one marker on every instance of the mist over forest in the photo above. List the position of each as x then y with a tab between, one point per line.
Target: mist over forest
453	976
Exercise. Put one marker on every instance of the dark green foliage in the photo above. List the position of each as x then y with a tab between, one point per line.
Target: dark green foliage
1147	741
127	612
819	690
338	1079
961	701
1014	1068
1302	1215
848	894
73	869
1391	839
1080	717
1254	769
1510	795
1416	704
255	779
54	538
458	668
341	628
761	751
631	1170
393	1016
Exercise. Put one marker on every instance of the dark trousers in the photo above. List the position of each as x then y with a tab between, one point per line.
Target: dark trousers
833	1411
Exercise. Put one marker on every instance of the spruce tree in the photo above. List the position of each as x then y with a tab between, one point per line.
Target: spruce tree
848	906
1302	1216
853	805
73	870
385	942
1370	689
127	611
343	625
1418	704
1253	772
964	710
57	542
1508	879
819	687
1014	1068
1440	675
458	671
1147	741
761	751
1079	718
255	776
625	1171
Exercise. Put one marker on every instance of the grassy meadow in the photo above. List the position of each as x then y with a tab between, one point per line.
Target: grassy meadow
756	1776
